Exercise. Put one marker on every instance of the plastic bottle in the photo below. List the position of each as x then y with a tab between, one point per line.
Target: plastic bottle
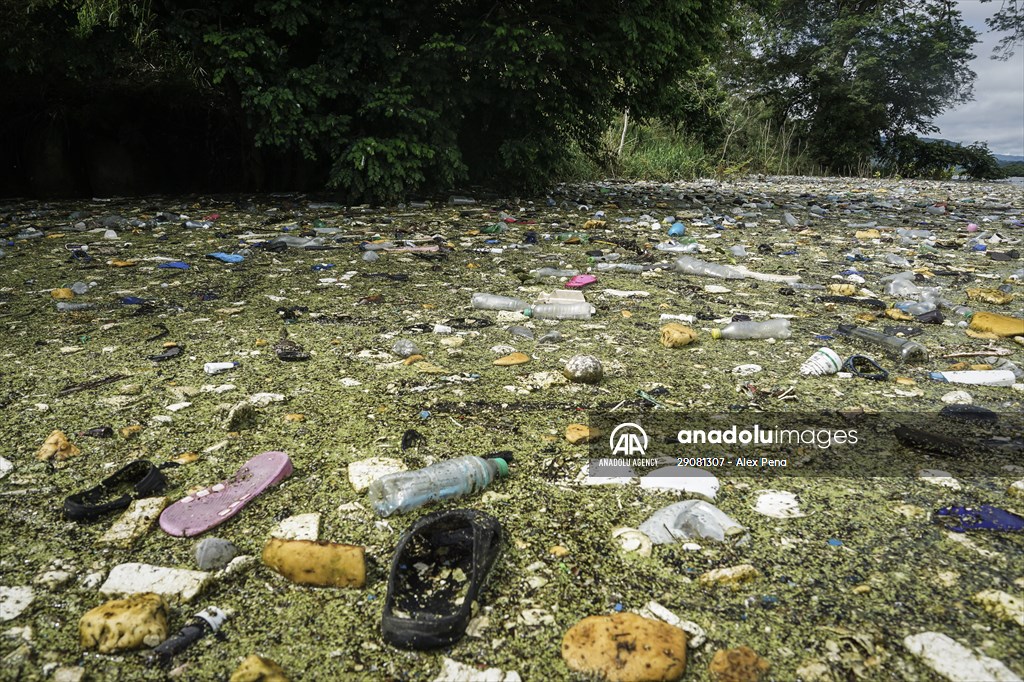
903	288
990	377
625	267
494	302
903	349
916	309
769	329
408	490
66	307
693	266
560	311
555	272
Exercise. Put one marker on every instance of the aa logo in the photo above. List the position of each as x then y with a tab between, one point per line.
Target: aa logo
628	440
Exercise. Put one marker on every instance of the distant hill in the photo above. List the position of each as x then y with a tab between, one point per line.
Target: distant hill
1004	159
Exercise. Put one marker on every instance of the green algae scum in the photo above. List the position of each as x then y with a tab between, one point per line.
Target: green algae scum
838	588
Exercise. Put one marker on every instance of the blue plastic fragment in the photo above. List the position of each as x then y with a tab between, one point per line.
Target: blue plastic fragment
226	257
492	241
835	543
425	414
677	230
619	606
174	265
979	247
322	266
133	300
823	337
984	517
791	252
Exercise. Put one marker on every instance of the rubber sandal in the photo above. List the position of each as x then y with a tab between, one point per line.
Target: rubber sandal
136	480
210	507
427	605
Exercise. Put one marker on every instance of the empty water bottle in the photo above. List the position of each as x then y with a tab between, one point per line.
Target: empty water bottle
495	302
560	311
902	287
747	329
625	267
408	490
555	272
915	309
694	266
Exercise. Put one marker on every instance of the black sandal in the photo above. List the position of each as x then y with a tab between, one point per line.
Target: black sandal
136	480
440	565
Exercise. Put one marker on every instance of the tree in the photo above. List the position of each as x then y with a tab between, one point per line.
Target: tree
851	72
399	97
1009	18
378	99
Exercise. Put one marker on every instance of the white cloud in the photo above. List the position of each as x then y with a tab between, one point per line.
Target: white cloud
996	115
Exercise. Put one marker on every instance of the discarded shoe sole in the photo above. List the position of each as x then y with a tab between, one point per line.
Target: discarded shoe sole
440	565
210	507
133	481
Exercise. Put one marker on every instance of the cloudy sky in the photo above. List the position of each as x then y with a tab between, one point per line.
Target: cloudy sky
996	115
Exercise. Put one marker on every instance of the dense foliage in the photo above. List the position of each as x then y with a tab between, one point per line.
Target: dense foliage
909	156
388	98
850	73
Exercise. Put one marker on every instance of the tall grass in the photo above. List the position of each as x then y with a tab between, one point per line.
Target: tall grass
659	151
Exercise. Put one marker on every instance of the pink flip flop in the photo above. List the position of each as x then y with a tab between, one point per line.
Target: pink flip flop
210	507
580	281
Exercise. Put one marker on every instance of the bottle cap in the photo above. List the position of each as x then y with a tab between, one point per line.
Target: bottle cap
716	333
502	466
528	312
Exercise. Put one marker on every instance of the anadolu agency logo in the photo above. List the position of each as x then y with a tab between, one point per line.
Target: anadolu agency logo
628	440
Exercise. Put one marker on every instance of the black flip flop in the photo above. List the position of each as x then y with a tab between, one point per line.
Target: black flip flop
424	610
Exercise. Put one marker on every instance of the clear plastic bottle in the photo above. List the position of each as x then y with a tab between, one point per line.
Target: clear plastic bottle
769	329
902	287
694	266
902	349
65	307
408	490
555	272
625	267
560	311
915	309
495	302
